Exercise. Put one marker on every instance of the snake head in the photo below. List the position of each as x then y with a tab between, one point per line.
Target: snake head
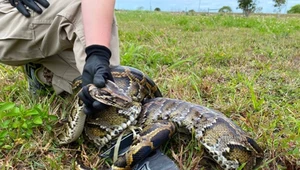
110	95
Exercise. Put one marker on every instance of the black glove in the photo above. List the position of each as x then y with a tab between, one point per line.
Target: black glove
22	4
96	71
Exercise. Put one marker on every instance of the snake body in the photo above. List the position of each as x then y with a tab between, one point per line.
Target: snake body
226	143
135	100
106	125
100	127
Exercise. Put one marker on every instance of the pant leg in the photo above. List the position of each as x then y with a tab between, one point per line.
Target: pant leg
17	45
63	67
55	39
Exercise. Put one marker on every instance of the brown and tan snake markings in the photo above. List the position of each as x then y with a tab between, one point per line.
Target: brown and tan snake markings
136	102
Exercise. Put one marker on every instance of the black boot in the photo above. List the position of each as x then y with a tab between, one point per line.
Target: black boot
156	161
35	85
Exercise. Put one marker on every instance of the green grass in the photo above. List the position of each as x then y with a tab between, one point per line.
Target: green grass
247	68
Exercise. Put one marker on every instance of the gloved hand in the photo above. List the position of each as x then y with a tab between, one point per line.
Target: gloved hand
22	4
96	71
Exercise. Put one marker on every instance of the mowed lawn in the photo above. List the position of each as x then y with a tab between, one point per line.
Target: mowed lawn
247	68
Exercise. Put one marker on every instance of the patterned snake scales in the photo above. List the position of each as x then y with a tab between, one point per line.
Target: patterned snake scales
135	100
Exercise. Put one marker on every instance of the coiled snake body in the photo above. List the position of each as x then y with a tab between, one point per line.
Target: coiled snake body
136	101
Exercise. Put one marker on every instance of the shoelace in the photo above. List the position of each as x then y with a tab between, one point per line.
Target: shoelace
118	143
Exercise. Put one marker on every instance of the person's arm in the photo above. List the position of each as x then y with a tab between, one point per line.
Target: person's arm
97	20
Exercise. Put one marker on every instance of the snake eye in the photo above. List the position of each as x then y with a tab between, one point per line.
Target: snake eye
104	92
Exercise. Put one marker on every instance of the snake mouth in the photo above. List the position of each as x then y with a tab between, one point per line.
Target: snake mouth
110	95
124	102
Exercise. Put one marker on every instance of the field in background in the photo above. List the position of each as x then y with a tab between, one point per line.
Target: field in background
247	68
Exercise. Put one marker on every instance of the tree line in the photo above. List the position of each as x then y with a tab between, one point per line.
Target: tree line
250	6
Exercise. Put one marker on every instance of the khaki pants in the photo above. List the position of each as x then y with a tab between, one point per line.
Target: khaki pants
54	39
